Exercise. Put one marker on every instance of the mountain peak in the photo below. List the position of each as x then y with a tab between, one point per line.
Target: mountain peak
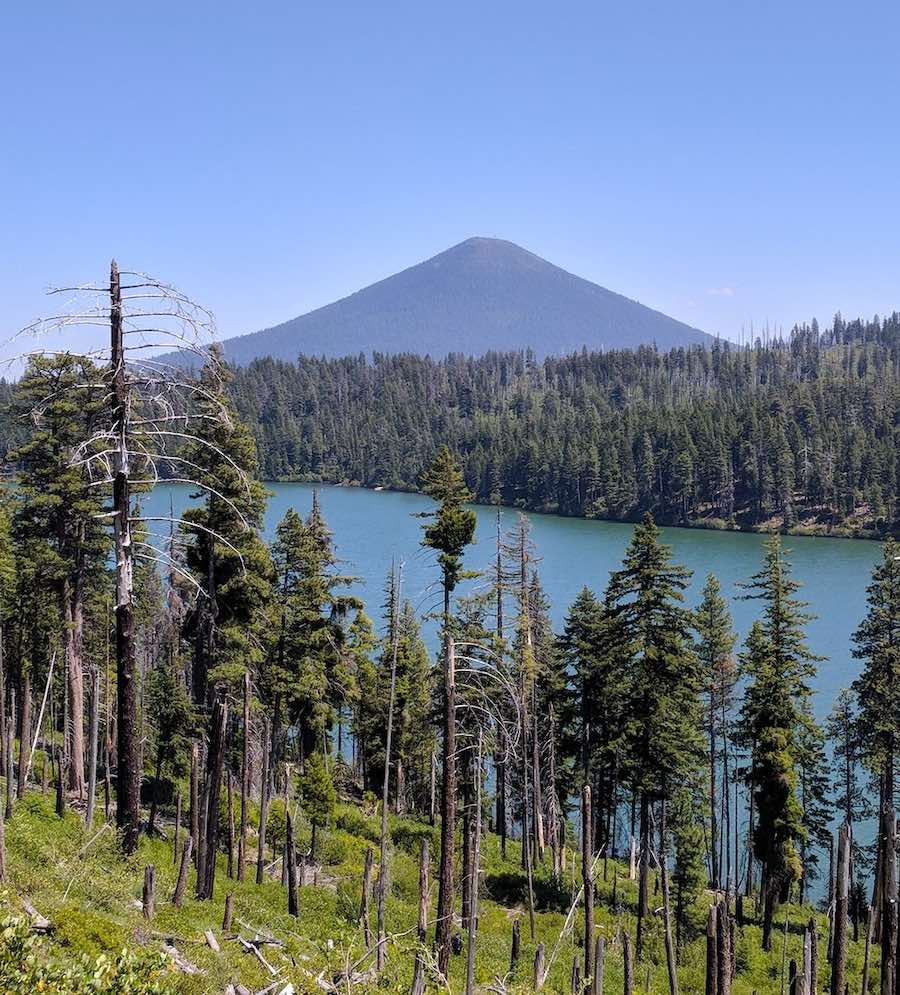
480	295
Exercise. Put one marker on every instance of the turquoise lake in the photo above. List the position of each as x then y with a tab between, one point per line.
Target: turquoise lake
371	527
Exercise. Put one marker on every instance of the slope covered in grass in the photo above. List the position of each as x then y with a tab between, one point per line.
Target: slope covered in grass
80	881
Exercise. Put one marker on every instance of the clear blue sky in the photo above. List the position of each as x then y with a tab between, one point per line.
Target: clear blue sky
724	162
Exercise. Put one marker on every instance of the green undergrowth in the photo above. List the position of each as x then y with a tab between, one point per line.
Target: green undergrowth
78	878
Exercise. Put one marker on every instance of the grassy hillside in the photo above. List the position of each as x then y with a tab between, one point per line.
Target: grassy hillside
78	879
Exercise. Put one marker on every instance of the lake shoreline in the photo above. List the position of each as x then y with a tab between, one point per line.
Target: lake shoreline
698	525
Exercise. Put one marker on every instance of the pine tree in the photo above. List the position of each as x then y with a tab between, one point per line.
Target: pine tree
63	510
309	672
225	555
451	529
814	788
715	643
877	643
664	742
779	665
317	795
689	874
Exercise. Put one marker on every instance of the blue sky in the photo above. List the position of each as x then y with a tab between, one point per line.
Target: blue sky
725	162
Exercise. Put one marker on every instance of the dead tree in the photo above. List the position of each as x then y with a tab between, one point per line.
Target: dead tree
150	408
839	928
446	886
181	884
383	869
366	896
195	797
475	872
587	872
229	789
148	902
93	746
667	911
418	985
176	832
599	956
290	852
263	805
538	977
628	965
889	901
712	953
215	760
723	948
245	781
515	946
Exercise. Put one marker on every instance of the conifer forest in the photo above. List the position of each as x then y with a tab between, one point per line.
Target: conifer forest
797	433
224	772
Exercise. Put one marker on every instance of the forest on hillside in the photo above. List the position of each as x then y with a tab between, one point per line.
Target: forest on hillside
198	726
800	434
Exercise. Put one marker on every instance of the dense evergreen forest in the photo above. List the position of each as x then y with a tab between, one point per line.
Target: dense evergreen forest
200	727
800	433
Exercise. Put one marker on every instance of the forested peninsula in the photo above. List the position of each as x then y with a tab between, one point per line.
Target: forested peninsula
798	433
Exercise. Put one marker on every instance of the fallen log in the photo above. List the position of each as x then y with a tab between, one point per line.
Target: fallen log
179	960
39	923
252	948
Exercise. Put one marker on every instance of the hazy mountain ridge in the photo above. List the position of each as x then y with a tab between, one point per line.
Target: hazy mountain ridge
481	295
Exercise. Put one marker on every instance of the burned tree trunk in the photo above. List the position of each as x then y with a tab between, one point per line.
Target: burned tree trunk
148	901
229	788
475	873
383	869
263	805
723	948
94	734
444	928
128	798
24	733
195	798
889	901
73	613
245	781
365	897
290	851
214	766
587	875
839	929
628	965
712	953
181	885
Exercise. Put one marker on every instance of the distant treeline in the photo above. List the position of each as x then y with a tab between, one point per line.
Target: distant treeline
798	433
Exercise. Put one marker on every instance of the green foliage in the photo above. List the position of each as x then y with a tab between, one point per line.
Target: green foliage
28	967
778	729
317	795
877	643
309	672
652	629
452	526
689	873
720	436
226	625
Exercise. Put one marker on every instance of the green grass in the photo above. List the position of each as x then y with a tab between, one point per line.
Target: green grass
79	879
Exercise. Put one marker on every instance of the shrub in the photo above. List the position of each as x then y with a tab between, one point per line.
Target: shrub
27	966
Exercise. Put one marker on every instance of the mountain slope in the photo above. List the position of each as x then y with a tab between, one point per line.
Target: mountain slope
483	294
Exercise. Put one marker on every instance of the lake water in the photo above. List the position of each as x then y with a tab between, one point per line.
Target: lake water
371	527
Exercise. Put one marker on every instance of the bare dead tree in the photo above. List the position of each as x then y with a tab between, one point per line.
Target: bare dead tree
383	858
151	410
